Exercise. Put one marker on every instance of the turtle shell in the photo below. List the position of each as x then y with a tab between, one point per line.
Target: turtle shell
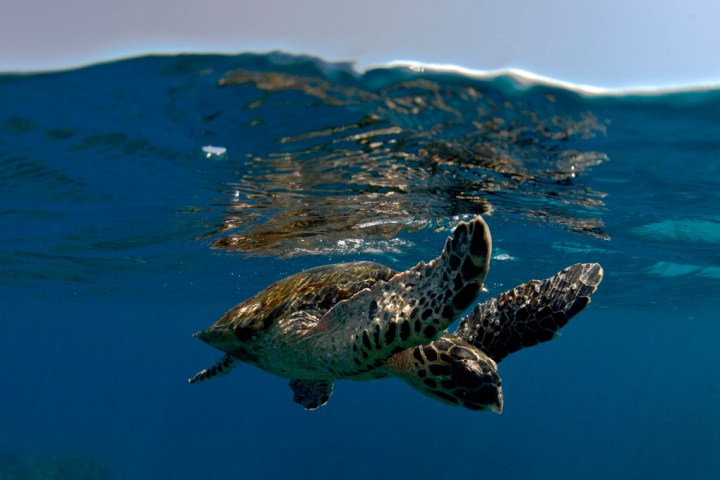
314	291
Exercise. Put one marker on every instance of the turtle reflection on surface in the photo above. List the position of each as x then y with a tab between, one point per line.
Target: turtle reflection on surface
412	154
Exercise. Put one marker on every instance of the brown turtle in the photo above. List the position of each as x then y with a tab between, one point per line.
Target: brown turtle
363	321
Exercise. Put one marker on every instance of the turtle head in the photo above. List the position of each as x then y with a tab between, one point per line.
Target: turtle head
241	339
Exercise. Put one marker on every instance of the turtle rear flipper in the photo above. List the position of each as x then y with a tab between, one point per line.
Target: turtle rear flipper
411	308
311	394
452	371
531	313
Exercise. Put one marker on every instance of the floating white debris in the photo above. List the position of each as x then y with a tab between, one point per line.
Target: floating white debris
213	151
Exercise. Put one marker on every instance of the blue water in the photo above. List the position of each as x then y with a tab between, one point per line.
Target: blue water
121	237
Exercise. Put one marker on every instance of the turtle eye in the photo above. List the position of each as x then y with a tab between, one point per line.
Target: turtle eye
245	334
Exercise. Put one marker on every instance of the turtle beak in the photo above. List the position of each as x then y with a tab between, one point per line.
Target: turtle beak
498	405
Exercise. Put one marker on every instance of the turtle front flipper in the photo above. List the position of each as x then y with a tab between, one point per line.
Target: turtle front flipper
311	394
221	367
531	313
411	308
452	371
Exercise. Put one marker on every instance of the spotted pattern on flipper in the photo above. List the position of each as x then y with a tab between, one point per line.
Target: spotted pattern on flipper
311	394
452	371
410	309
221	367
531	313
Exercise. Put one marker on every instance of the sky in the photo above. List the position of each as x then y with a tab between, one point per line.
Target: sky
608	43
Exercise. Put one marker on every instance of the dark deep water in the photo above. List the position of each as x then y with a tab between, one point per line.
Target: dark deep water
121	237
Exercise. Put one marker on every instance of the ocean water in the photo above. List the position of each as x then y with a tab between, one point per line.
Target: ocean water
142	198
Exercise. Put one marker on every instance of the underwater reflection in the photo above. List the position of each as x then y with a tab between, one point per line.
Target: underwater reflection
407	154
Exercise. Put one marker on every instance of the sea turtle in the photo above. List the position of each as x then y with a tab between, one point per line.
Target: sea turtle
362	321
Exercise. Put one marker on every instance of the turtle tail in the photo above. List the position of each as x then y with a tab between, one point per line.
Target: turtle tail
221	367
531	313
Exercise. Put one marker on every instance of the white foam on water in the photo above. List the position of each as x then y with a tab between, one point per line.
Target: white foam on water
525	79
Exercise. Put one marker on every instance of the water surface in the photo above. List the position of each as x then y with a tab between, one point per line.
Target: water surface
140	199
